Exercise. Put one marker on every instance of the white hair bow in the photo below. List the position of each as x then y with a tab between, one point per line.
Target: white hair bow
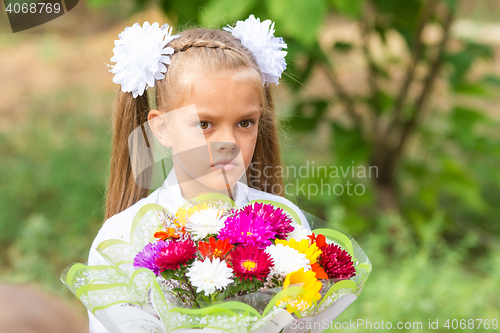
259	38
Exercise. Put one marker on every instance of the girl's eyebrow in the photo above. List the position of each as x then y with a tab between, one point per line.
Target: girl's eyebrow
255	112
211	116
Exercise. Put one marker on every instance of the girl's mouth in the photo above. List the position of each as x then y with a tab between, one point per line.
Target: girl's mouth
225	166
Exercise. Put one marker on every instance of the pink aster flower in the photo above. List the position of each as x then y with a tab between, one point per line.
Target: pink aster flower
247	229
176	254
250	262
279	220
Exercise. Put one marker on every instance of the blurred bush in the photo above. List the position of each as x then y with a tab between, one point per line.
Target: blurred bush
53	180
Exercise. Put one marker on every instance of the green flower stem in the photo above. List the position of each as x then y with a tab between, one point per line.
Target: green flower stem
214	296
190	288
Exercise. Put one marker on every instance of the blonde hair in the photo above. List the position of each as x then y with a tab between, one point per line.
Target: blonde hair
196	51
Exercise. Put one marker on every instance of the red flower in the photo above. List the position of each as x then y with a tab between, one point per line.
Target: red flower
176	254
250	262
336	262
215	249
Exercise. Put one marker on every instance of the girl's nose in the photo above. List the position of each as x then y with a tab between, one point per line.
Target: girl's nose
225	141
223	146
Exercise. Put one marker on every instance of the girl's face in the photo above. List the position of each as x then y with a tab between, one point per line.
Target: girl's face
213	134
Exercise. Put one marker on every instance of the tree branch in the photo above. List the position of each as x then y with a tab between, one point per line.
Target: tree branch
410	72
343	95
365	24
410	124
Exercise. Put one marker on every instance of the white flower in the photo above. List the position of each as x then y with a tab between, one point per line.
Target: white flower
299	232
286	260
205	222
209	276
140	55
259	39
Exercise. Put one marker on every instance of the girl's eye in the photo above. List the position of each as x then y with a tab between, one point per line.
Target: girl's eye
203	125
246	123
206	125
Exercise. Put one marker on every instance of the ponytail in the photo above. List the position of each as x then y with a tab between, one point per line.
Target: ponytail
122	192
264	172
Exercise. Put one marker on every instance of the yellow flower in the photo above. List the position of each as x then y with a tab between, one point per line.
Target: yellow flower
312	252
309	282
183	214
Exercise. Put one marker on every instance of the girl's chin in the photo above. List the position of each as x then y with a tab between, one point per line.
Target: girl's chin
217	182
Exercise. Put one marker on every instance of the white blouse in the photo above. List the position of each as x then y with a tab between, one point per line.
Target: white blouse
169	196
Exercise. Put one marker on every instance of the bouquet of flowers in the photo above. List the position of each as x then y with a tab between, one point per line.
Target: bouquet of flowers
214	267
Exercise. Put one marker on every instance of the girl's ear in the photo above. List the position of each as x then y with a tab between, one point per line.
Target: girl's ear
158	124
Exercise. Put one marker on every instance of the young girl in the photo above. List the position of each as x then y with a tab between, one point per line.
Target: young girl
214	112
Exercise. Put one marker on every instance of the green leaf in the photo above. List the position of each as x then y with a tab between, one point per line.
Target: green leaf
381	71
168	274
480	50
452	4
386	101
298	18
187	12
475	89
464	119
460	184
462	123
181	290
98	4
400	15
220	12
381	30
491	79
343	47
165	5
140	5
348	145
462	61
307	115
349	8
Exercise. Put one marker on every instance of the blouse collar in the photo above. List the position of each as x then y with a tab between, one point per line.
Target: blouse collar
173	190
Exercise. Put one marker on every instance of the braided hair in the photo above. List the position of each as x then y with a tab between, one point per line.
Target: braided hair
205	43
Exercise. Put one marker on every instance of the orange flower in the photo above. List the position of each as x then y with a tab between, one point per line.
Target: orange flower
320	272
320	240
170	233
